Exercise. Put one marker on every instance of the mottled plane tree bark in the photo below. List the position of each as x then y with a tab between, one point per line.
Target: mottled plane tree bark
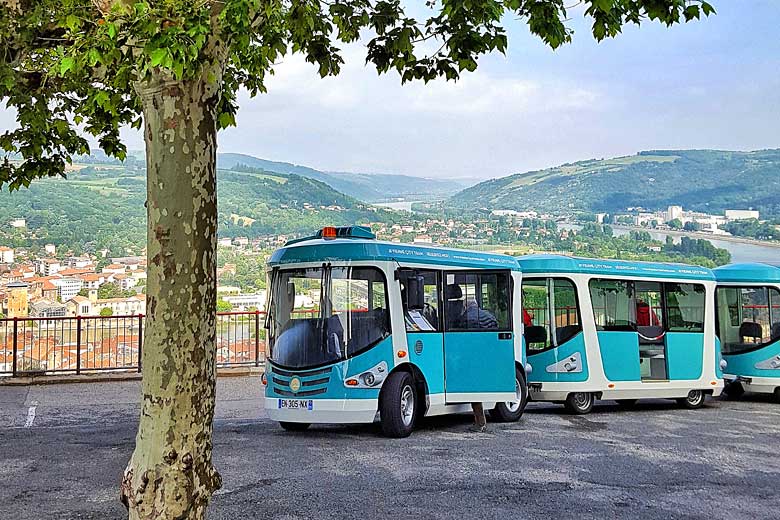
75	69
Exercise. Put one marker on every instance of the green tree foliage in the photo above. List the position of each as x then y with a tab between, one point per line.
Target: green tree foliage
106	311
754	229
223	306
112	290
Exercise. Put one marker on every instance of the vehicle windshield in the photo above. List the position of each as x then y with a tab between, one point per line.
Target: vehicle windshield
326	314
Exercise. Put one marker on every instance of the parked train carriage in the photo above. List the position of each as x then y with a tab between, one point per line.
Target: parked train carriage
610	329
362	330
748	325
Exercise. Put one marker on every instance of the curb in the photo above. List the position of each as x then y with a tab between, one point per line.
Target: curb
58	379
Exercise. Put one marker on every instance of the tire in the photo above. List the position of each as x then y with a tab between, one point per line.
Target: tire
294	426
512	411
579	403
777	395
694	400
734	390
397	404
627	404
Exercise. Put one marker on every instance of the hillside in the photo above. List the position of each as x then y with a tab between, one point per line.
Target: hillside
703	180
369	187
102	206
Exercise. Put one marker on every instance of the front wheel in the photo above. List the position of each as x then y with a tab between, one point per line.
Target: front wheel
397	404
694	400
511	411
777	395
294	426
579	403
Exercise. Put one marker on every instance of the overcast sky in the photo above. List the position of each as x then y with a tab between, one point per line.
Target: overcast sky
708	84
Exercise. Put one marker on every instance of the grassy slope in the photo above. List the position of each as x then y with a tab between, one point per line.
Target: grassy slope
705	180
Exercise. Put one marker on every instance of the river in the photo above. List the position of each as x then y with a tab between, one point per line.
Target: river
740	251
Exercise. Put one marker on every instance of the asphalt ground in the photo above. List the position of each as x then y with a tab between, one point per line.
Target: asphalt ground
63	449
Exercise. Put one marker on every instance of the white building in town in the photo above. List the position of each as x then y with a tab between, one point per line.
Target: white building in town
243	302
67	287
741	214
6	255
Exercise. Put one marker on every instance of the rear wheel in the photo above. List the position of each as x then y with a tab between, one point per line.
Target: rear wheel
734	390
512	411
777	395
627	404
579	403
294	426
694	400
397	405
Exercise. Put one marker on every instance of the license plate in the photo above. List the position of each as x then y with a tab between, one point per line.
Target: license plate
296	404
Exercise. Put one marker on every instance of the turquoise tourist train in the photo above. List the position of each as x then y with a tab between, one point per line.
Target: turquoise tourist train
361	330
619	330
748	302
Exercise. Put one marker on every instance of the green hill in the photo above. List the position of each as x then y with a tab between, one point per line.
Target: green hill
102	206
370	187
703	180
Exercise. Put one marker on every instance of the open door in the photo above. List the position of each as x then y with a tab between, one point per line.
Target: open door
479	354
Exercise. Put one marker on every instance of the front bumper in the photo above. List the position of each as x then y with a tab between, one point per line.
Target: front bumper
330	411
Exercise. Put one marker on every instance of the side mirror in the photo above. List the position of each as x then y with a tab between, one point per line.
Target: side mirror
415	292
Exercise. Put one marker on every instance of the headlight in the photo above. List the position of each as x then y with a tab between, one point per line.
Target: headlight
369	379
723	364
528	368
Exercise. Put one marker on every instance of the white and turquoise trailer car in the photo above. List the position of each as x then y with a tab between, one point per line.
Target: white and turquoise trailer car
619	330
361	330
748	302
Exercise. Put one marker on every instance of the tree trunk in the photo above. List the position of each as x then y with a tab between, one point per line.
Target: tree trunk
170	474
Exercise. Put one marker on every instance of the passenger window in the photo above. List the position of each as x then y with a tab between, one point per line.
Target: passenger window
613	306
539	297
685	307
477	302
427	319
748	317
536	315
567	316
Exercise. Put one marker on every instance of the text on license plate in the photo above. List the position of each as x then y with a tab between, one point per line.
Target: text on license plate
296	404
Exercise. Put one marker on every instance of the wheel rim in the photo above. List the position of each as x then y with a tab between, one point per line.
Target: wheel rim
581	400
407	405
514	406
695	397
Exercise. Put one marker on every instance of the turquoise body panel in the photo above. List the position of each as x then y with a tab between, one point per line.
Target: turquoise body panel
426	351
718	359
620	355
478	362
346	250
745	364
328	381
684	355
748	273
542	360
548	264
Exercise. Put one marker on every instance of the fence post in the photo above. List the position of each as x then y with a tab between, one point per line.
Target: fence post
140	339
257	338
78	345
16	346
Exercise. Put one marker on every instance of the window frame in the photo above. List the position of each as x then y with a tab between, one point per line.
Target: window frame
551	333
664	284
479	273
758	346
278	272
439	297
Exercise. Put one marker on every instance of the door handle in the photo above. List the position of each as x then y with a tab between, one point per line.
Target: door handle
504	335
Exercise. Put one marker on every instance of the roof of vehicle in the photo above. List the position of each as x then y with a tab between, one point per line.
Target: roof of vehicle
748	273
543	264
359	249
